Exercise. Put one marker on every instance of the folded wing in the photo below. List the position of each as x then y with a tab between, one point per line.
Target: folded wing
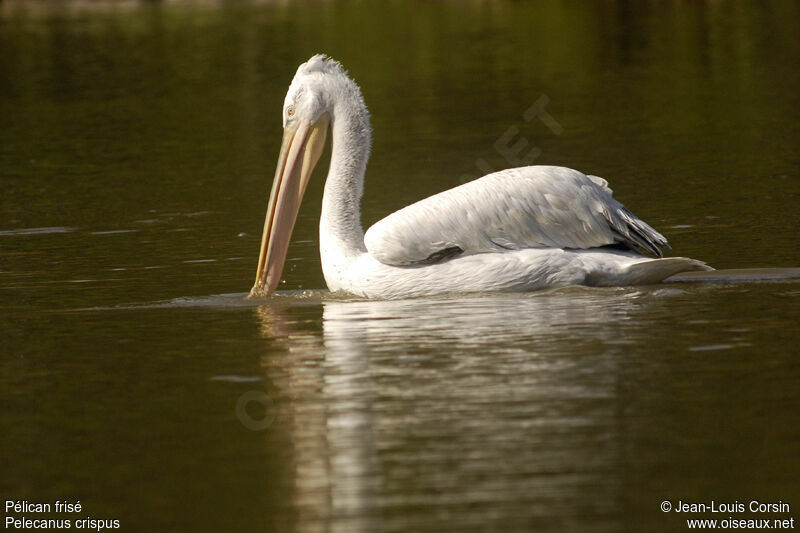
529	207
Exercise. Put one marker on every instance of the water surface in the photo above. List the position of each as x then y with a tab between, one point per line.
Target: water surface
137	142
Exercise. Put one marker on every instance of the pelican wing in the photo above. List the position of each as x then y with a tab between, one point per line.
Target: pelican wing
529	207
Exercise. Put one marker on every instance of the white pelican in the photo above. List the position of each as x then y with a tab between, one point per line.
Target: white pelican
520	229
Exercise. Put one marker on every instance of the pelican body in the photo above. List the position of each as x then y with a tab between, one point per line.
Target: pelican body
516	230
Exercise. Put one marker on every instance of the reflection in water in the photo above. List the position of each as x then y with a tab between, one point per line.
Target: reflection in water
327	416
572	410
465	407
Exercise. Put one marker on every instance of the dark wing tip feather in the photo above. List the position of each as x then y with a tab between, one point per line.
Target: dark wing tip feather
635	232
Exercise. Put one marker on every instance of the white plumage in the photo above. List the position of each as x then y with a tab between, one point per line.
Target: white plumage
530	207
516	230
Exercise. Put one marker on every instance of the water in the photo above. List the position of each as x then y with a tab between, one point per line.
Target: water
136	146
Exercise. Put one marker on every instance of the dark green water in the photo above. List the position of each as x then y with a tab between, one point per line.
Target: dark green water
137	142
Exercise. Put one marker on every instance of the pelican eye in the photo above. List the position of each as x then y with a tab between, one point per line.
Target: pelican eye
290	111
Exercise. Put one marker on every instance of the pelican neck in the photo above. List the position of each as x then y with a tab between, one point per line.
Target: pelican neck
340	220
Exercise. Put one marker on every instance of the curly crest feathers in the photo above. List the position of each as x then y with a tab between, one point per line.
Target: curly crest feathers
323	64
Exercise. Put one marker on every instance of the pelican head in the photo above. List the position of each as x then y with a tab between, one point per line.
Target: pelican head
306	117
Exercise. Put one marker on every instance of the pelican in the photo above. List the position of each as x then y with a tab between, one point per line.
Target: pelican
520	229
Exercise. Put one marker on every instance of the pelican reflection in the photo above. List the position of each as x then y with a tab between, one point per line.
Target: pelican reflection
454	403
